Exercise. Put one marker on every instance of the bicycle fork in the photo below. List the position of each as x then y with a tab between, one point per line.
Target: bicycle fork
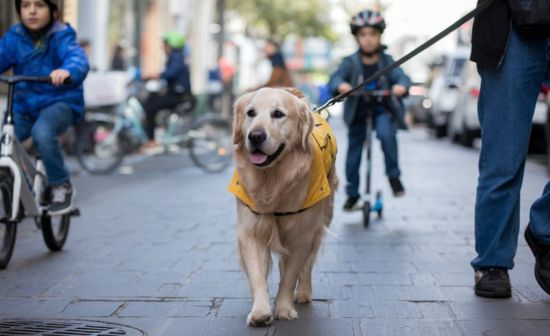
22	190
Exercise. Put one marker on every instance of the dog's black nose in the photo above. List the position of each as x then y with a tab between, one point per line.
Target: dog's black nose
257	137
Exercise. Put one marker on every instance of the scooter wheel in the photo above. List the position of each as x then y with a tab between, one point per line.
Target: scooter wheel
366	214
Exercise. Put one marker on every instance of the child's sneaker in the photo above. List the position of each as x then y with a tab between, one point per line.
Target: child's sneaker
62	199
351	204
397	187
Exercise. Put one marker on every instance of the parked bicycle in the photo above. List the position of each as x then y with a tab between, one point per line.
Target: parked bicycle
110	133
24	192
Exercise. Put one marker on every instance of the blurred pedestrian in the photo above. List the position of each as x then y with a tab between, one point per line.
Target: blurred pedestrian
368	27
512	65
119	59
280	76
176	74
42	45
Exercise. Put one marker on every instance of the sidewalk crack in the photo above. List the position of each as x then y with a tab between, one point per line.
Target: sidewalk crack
215	307
119	309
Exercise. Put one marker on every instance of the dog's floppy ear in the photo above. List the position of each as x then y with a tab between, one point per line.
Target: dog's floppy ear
305	123
305	119
238	118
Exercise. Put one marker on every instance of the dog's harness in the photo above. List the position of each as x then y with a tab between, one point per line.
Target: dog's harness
324	154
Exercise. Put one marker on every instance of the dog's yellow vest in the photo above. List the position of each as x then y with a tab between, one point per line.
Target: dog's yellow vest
324	154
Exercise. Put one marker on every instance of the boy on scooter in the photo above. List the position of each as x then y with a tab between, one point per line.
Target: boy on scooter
368	27
42	45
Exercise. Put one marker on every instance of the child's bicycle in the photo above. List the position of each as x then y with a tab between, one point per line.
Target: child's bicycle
23	187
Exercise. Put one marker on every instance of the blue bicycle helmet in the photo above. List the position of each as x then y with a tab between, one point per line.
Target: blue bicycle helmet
367	18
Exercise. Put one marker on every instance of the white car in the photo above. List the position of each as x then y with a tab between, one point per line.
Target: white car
443	92
464	122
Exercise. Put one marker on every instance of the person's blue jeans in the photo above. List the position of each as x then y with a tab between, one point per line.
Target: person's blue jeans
506	107
52	122
386	133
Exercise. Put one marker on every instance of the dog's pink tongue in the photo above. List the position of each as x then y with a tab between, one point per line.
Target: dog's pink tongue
258	158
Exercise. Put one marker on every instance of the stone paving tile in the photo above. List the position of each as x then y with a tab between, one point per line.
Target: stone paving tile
384	279
423	279
33	307
349	327
85	289
396	327
533	294
351	309
407	293
208	327
399	310
163	309
502	327
436	310
498	311
453	279
79	308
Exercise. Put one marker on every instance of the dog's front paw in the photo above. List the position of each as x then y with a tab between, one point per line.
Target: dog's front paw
303	297
259	318
286	313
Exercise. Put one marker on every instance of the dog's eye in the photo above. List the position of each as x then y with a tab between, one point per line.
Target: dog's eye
251	113
277	114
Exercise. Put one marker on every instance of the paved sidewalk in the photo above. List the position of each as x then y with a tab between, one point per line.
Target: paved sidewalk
156	250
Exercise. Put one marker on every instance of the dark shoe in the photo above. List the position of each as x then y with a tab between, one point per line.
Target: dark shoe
542	256
397	187
62	199
351	204
493	283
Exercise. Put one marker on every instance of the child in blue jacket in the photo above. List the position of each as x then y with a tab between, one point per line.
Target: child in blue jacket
41	45
367	27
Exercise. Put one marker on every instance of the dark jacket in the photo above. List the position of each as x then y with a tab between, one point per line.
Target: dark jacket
60	51
351	71
491	33
280	76
176	73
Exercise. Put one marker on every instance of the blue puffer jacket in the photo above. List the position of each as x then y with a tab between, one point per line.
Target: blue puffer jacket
176	73
60	51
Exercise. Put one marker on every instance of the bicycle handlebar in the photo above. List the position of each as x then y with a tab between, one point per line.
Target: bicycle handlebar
36	79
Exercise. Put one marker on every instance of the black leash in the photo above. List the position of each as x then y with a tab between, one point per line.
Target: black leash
478	10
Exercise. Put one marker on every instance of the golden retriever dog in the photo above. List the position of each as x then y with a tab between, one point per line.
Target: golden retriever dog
284	182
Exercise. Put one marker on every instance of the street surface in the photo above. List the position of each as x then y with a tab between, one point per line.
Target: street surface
156	250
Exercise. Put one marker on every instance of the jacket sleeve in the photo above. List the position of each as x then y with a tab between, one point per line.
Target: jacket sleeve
174	67
341	75
398	76
73	57
7	57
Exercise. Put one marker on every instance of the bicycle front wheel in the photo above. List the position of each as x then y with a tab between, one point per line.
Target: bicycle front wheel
98	149
211	144
8	229
55	231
